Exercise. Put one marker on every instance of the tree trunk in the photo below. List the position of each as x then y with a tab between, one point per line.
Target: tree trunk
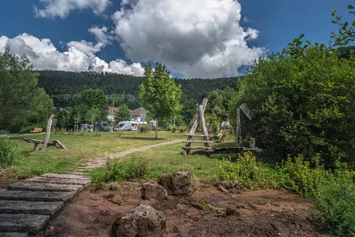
156	129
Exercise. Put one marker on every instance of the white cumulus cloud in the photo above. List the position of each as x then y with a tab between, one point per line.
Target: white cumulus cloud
62	8
79	56
101	34
193	37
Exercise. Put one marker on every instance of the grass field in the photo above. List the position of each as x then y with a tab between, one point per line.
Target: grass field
81	148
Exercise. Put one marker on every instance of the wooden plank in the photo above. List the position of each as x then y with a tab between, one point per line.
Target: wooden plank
36	196
28	186
85	183
66	176
23	223
195	135
197	148
29	207
13	234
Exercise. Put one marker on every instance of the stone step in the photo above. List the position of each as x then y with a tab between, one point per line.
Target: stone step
36	196
66	176
28	207
13	234
23	223
85	183
46	187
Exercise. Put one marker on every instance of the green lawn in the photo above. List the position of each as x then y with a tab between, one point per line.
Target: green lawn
81	148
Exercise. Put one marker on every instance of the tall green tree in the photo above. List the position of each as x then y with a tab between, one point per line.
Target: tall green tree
298	109
123	113
22	101
160	94
92	99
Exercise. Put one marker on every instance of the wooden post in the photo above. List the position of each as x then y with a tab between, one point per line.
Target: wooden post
238	128
48	133
252	142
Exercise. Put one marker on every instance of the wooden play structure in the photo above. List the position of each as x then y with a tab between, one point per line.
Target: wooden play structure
205	142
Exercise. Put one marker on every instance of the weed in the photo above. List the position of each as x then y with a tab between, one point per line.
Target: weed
8	152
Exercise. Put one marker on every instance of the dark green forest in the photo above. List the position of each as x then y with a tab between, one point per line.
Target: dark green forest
65	87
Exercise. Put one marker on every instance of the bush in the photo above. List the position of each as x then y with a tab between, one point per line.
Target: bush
120	171
170	128
27	129
143	128
8	152
250	173
182	129
174	129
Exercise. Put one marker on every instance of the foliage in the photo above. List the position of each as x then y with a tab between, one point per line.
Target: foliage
27	129
65	87
22	101
123	113
63	118
189	109
143	128
299	111
94	101
159	93
8	152
250	173
346	32
334	210
182	129
120	171
93	115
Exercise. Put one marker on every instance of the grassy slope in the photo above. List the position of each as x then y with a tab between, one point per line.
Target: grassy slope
82	148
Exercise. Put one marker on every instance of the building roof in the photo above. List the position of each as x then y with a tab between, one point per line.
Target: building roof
138	112
112	110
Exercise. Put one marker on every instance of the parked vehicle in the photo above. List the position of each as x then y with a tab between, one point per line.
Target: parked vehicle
127	126
103	126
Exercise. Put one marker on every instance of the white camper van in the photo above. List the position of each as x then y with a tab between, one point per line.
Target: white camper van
127	126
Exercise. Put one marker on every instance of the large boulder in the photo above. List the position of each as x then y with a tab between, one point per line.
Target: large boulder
177	183
144	220
152	190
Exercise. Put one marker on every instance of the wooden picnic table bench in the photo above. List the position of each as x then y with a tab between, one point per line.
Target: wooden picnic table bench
36	130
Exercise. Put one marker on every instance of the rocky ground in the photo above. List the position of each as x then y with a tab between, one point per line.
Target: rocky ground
254	213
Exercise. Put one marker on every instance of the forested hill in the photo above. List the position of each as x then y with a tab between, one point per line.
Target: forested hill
64	87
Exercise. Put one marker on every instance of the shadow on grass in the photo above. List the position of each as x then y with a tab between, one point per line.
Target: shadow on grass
144	138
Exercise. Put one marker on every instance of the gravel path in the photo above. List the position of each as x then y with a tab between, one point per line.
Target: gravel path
101	162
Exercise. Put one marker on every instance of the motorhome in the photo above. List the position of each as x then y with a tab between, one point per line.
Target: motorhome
127	126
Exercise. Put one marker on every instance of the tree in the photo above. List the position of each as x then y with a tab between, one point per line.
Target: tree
22	101
160	94
91	99
300	110
92	115
123	113
188	111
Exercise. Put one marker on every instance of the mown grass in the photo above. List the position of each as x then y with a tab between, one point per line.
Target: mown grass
81	149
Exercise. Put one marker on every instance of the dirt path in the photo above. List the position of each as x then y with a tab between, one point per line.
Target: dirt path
101	161
265	213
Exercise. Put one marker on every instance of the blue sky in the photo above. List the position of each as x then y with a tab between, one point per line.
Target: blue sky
194	38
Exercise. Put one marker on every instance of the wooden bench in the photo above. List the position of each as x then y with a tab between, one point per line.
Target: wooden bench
37	130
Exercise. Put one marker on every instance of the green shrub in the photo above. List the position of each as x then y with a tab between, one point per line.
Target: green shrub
8	152
120	171
27	129
2	131
303	176
182	129
170	128
143	128
335	207
250	173
174	129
